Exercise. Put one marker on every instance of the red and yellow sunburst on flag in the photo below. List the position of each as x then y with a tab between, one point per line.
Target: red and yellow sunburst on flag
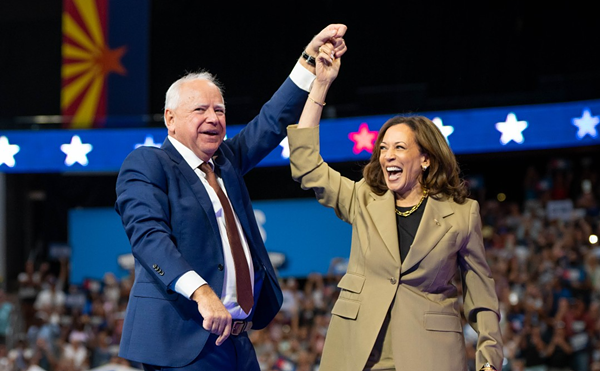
87	61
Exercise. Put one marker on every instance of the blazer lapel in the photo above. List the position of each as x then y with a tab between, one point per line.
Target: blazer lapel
194	182
432	228
382	211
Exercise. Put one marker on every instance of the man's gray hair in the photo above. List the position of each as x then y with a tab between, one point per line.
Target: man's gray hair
172	96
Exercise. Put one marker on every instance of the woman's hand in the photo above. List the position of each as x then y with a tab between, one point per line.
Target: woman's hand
328	65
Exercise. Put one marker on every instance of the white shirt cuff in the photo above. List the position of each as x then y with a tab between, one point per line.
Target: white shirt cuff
302	77
188	283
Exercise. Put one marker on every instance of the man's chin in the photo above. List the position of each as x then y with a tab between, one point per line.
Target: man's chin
210	148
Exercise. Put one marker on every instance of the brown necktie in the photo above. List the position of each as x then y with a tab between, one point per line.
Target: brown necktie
242	272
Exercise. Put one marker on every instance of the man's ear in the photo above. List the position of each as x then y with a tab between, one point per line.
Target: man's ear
170	119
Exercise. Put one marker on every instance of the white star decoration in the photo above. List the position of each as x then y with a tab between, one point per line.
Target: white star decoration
511	129
76	151
285	152
148	142
586	124
8	152
446	130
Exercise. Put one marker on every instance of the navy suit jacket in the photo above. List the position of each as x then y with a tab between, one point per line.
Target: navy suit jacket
168	217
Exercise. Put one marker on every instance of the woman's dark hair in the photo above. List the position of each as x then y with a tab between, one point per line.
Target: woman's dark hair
442	178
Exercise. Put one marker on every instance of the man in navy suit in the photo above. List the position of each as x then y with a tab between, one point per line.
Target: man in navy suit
183	310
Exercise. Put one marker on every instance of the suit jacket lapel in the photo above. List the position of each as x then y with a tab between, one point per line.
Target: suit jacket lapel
382	211
432	228
194	182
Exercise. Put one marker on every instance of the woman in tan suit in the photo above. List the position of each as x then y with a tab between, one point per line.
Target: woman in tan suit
413	230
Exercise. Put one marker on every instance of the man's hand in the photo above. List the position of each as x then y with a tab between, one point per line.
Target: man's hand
217	319
334	33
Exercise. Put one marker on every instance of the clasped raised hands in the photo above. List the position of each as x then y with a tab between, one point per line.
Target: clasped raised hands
332	34
327	47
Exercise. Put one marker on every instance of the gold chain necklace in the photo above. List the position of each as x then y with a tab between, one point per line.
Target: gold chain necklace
414	208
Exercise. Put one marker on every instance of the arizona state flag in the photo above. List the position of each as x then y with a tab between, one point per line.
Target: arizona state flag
104	62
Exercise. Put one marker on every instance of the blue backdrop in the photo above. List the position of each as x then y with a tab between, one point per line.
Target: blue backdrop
307	235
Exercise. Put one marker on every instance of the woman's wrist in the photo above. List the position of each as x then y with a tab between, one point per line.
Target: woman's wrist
318	92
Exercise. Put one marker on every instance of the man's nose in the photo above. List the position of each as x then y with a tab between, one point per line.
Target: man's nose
211	115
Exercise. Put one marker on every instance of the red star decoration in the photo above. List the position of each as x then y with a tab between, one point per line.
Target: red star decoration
363	139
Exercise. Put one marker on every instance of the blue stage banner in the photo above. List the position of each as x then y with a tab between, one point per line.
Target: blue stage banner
489	130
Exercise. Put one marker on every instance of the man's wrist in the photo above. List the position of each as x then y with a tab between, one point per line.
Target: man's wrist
199	293
188	283
308	58
303	75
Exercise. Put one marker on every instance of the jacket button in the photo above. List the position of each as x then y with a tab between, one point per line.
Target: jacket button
220	266
393	280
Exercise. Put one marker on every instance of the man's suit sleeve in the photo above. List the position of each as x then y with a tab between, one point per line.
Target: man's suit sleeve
261	135
143	204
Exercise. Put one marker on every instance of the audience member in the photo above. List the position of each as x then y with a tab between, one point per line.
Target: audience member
6	311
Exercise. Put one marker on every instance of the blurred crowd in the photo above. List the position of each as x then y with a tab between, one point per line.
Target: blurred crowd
62	326
542	253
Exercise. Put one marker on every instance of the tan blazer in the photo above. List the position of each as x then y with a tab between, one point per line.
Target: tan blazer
425	318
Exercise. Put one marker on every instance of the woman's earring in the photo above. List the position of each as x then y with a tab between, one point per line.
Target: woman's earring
425	167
